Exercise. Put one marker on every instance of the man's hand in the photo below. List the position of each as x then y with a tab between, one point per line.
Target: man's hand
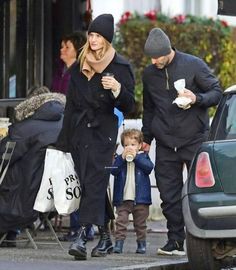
146	147
189	94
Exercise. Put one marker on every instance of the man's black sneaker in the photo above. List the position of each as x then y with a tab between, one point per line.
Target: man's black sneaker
172	247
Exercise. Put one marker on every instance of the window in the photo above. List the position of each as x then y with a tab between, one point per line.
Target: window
227	122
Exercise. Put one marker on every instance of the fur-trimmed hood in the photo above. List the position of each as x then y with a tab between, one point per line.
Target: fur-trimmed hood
28	107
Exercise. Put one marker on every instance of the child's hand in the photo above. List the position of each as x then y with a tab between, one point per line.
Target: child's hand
128	151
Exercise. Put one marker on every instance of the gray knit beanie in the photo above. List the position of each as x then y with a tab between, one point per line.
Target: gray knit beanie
157	44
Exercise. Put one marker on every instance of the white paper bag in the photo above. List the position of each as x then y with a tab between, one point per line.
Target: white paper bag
44	201
183	102
66	185
180	85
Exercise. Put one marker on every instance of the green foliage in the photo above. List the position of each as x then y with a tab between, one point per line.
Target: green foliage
211	40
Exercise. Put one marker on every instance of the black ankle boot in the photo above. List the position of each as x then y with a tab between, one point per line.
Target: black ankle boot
78	248
104	245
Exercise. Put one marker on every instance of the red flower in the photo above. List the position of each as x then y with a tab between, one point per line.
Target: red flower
151	15
125	17
179	19
224	23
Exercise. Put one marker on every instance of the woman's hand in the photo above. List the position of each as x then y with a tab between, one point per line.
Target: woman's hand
111	83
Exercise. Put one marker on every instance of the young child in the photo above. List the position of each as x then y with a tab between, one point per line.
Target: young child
132	189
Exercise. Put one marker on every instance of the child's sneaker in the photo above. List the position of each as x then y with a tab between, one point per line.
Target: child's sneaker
172	247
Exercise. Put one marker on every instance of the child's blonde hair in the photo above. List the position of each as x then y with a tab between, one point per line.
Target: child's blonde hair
132	133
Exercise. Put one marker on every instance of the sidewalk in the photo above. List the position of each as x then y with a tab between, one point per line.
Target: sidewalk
52	255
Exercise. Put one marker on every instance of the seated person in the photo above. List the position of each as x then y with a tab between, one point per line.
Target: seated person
38	123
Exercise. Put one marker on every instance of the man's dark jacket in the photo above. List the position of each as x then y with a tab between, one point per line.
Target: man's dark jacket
170	125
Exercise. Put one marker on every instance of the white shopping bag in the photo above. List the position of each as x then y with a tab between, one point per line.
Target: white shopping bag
66	185
44	201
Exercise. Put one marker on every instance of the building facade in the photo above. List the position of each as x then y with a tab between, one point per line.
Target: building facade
30	40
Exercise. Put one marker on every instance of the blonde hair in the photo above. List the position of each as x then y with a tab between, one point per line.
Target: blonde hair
131	133
86	49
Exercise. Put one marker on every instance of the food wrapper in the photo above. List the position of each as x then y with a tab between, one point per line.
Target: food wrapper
180	85
183	102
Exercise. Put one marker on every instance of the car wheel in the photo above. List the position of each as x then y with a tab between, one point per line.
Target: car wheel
200	254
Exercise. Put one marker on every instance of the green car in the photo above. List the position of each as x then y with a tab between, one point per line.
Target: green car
209	194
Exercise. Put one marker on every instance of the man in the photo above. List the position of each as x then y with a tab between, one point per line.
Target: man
178	128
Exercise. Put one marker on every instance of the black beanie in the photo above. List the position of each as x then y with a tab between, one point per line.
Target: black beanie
103	25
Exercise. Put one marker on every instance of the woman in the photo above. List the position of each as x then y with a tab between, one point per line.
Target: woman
90	126
69	51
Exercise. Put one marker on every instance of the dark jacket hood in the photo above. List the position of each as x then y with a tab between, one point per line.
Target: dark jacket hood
29	107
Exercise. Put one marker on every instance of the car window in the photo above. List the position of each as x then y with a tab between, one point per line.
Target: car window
227	126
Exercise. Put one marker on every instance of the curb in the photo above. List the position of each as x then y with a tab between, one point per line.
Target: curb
154	266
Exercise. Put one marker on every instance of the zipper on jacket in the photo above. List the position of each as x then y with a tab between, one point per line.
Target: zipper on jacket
167	80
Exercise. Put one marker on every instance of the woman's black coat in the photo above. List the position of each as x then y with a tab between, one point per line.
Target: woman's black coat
90	132
40	124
